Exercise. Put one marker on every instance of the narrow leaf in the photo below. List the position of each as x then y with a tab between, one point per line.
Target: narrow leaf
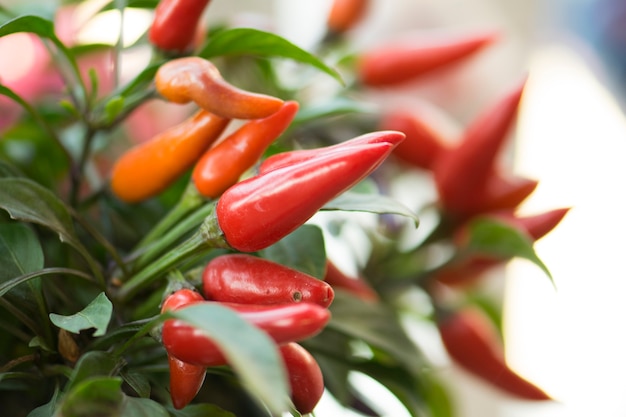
247	41
20	251
491	237
302	250
250	351
100	396
95	316
202	410
142	407
12	283
337	106
90	365
371	203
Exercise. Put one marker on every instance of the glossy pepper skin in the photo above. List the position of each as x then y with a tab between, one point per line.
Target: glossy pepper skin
355	285
283	159
247	279
284	323
175	24
462	173
305	377
221	166
259	211
150	167
397	63
473	343
185	379
196	79
345	14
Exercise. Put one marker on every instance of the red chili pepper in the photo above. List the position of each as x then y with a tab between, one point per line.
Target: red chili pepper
463	172
247	279
150	167
473	343
355	285
175	24
284	159
503	192
284	323
261	210
185	379
196	79
345	14
423	145
536	225
396	63
221	166
305	377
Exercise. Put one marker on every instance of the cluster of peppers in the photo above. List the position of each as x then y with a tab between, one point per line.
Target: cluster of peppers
257	212
287	304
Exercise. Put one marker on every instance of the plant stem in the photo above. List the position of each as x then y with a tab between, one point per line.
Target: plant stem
183	227
208	237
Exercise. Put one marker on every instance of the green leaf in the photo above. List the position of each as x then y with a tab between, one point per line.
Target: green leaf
247	41
33	24
96	315
496	238
20	251
377	325
337	106
113	108
27	201
138	382
92	364
8	170
249	350
142	407
12	283
47	409
371	203
302	250
202	410
98	396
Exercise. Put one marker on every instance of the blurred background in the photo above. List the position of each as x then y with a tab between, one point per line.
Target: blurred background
570	134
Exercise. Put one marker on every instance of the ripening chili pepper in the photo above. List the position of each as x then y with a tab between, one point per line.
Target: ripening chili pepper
473	343
247	279
175	24
185	379
305	377
462	172
284	323
355	285
196	79
150	167
396	63
221	166
345	14
423	144
261	210
283	159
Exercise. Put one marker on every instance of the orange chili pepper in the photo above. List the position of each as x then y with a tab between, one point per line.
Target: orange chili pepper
221	166
150	167
196	79
345	14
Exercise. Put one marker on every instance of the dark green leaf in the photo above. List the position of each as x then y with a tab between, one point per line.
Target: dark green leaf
496	238
202	410
250	351
142	407
377	325
47	409
302	250
98	396
247	41
138	382
92	364
8	170
25	200
371	203
33	24
20	251
12	283
95	316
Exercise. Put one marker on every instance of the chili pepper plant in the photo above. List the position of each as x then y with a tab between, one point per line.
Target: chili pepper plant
175	234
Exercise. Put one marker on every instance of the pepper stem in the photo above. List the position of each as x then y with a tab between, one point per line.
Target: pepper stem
209	236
